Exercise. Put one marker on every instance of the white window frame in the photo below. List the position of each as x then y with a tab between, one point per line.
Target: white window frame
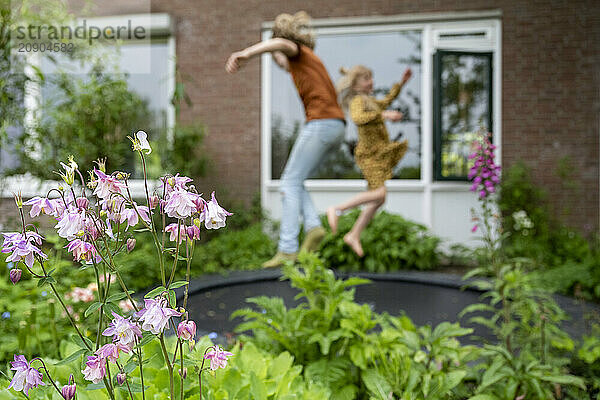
157	24
430	25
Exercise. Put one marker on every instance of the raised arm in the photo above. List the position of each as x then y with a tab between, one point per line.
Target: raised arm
394	91
238	59
359	114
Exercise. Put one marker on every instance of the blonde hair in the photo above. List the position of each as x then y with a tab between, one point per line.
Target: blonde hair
345	85
295	28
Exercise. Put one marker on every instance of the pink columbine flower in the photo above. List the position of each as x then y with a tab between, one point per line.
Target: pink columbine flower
155	316
106	185
39	205
71	223
123	331
80	294
83	251
22	249
95	369
193	232
174	183
186	330
180	204
15	275
217	357
130	244
121	378
68	391
126	305
172	229
131	216
110	351
25	377
215	214
154	200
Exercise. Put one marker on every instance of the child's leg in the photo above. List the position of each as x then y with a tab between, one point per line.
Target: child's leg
374	195
352	238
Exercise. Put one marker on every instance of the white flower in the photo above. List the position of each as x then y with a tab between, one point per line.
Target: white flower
142	142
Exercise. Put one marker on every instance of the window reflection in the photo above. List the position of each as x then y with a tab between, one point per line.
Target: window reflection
388	55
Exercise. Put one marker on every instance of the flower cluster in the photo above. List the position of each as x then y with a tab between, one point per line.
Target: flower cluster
484	173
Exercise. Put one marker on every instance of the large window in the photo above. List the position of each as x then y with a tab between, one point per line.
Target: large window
387	54
462	106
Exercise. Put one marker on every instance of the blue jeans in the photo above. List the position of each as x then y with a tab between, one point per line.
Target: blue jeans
315	140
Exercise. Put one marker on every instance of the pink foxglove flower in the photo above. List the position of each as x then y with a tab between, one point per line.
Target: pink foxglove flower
217	357
68	391
186	330
215	214
484	173
83	251
26	377
95	369
172	229
123	331
180	204
155	316
15	275
39	205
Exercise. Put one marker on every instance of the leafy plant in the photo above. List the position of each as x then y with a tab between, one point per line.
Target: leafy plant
390	243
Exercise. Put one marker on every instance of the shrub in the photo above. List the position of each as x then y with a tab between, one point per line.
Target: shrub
390	243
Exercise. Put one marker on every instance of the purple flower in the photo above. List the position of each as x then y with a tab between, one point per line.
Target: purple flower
484	173
123	331
83	251
186	330
22	248
121	378
130	244
217	357
155	316
68	391
215	214
110	351
131	216
71	223
95	369
172	229
15	275
25	377
39	205
193	232
175	182
180	204
106	185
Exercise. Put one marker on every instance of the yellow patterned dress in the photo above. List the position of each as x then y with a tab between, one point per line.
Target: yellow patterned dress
375	154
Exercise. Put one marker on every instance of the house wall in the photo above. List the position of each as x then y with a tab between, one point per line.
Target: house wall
550	81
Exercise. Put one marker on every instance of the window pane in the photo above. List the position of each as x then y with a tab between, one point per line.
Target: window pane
465	104
388	55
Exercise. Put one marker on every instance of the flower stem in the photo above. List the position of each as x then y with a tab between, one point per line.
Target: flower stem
169	365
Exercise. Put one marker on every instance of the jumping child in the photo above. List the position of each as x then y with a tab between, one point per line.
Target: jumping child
292	49
375	155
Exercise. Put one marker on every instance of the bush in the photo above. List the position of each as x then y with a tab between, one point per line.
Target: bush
390	243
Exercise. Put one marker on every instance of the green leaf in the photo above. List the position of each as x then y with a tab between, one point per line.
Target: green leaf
259	391
155	292
118	296
92	309
72	357
377	384
77	340
484	397
177	284
172	298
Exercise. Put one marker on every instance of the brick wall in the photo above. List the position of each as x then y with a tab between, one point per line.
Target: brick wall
550	99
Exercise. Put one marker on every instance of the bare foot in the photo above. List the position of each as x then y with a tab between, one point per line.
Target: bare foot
332	219
354	244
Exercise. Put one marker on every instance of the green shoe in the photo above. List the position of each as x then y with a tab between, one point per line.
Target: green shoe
279	260
313	239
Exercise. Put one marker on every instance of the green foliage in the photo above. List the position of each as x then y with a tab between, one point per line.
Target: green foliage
390	243
349	348
89	118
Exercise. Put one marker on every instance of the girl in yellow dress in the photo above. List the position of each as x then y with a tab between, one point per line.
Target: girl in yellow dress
375	155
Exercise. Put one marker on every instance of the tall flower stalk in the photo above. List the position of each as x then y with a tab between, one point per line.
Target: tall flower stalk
97	229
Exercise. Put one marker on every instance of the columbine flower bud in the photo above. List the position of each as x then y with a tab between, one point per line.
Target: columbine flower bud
186	330
68	391
15	275
121	378
82	202
130	244
197	222
183	373
154	202
19	199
